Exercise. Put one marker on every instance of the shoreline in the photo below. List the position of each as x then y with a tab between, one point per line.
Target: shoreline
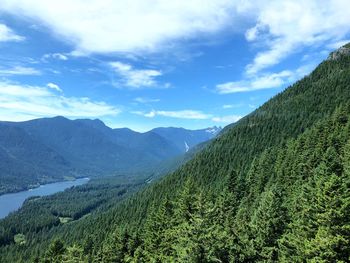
38	185
11	202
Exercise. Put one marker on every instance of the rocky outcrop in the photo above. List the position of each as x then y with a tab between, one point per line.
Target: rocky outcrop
343	51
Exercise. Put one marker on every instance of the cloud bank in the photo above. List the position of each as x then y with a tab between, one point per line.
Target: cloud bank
24	102
181	114
283	27
190	114
19	70
125	25
276	29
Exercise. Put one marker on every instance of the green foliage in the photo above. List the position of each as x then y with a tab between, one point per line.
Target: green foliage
20	239
42	218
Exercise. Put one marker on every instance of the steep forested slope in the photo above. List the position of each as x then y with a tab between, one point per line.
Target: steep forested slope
274	187
294	208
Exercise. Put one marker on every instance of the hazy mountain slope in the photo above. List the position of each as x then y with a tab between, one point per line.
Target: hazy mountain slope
91	145
170	165
28	160
50	149
149	145
86	148
186	139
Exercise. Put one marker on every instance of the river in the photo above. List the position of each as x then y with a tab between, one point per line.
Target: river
12	202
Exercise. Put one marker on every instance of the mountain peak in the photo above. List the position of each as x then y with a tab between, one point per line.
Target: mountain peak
342	51
92	122
59	117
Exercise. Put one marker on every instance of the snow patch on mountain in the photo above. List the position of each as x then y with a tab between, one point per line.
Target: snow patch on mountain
213	130
186	147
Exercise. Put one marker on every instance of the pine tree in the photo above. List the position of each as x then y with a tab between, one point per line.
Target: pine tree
267	224
55	251
73	254
332	239
158	237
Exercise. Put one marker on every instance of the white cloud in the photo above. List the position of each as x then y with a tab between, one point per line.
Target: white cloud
267	81
19	70
231	106
284	27
338	44
227	119
58	56
279	27
125	25
136	78
252	33
6	34
54	86
189	114
181	114
145	100
23	102
227	106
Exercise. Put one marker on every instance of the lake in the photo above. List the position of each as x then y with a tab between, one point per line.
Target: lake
11	202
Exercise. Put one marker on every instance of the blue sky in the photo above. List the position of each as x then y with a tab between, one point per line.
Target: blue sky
145	64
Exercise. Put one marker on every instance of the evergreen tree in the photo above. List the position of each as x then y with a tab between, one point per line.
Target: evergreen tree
266	225
55	252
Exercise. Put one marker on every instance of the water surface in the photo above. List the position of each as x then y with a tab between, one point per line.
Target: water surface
12	202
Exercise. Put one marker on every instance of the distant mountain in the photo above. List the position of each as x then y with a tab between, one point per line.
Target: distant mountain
186	139
25	161
51	149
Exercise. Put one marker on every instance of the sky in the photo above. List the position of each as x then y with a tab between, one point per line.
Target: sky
157	63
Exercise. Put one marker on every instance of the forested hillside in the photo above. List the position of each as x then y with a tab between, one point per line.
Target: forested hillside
272	188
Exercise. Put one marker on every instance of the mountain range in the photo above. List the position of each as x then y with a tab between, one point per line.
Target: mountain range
51	149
